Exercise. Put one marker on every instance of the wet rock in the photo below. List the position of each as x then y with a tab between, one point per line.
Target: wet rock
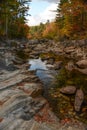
2	64
79	98
18	108
69	50
1	72
18	60
13	81
82	64
34	55
11	67
70	66
36	41
51	61
83	71
30	109
79	53
45	58
26	117
33	89
58	65
58	51
32	77
68	90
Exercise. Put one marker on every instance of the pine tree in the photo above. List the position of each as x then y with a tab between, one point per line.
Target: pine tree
12	14
72	18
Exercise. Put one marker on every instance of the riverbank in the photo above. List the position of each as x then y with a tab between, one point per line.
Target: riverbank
22	105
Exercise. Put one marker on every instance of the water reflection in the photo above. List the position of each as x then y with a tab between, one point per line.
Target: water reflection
37	64
42	72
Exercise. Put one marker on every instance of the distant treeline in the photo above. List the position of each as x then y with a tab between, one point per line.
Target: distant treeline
70	22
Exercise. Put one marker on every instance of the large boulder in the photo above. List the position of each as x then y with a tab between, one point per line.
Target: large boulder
68	90
82	64
83	71
79	98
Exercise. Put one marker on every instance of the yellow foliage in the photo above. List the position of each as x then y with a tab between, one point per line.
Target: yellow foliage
50	30
72	18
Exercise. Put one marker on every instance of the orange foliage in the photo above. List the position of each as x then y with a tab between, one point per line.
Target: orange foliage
73	18
50	30
44	115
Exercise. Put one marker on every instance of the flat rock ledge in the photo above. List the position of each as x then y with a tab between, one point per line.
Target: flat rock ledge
21	101
22	106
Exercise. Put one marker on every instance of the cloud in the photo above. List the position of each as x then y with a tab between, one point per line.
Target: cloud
50	1
48	14
53	1
34	20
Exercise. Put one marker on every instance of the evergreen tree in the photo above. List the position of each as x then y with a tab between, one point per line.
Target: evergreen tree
72	18
13	17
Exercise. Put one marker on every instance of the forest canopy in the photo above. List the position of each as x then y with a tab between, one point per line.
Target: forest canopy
70	22
71	18
13	18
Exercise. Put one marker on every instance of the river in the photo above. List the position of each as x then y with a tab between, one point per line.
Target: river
63	103
43	72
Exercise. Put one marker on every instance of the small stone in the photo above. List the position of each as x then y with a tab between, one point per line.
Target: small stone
68	90
70	66
32	111
79	98
51	61
82	64
69	50
32	89
26	117
70	128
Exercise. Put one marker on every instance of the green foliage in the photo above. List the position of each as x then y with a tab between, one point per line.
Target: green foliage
36	31
50	30
72	19
19	32
74	77
61	78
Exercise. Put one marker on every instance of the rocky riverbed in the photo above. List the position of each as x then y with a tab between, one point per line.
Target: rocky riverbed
22	105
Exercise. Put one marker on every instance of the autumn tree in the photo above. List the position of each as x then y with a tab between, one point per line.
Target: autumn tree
50	30
13	17
72	18
36	32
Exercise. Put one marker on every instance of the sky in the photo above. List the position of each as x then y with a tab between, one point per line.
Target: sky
41	11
